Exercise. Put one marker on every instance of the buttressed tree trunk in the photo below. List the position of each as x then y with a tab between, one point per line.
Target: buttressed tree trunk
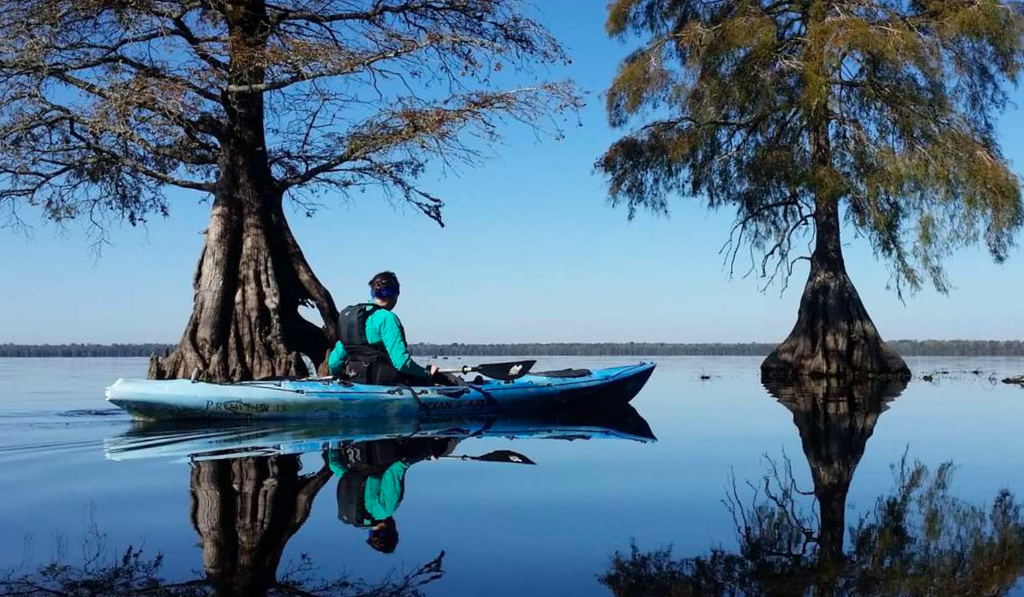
252	276
251	279
834	335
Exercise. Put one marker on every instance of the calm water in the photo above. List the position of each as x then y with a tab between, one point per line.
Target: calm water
553	528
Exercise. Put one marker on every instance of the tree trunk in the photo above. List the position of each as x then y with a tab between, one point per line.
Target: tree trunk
249	284
252	276
834	335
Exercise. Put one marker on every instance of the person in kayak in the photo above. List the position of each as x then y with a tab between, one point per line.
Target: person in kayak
371	345
371	482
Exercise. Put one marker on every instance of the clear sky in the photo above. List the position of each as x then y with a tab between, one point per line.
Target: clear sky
531	253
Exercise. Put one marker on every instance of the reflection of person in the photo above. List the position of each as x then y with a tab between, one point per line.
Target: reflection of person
371	482
371	344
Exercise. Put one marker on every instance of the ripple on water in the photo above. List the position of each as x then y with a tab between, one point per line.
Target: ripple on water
23	433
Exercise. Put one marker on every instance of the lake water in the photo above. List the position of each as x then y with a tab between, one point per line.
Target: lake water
715	486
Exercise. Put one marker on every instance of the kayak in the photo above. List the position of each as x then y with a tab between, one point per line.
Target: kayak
334	399
199	440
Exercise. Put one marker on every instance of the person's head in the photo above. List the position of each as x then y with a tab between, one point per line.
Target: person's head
384	536
384	289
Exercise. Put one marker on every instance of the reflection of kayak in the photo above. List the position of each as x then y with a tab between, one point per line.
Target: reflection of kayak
302	399
199	440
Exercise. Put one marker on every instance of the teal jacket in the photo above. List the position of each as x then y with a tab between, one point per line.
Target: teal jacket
383	326
383	494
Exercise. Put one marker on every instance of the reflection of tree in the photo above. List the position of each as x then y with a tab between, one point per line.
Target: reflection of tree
245	511
134	574
917	540
835	420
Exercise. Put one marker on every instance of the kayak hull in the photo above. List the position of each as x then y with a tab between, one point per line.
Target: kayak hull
332	399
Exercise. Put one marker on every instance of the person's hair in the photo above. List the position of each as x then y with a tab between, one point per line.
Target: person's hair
384	540
384	283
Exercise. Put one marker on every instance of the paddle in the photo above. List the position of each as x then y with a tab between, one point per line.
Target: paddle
497	456
503	371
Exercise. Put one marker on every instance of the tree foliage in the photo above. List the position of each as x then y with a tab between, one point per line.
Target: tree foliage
104	103
776	108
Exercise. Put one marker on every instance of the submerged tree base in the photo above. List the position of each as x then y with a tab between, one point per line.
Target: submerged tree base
251	280
834	335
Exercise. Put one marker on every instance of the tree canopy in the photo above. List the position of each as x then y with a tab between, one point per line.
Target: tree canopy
775	108
104	103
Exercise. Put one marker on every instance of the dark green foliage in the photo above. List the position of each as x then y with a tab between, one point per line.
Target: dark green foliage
775	108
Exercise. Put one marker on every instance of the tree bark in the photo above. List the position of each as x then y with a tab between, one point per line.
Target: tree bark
250	282
834	335
252	276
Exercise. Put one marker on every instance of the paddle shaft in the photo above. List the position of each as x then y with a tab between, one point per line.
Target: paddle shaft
503	371
462	369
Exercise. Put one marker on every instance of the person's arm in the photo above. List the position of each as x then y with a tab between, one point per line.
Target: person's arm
337	359
334	462
394	342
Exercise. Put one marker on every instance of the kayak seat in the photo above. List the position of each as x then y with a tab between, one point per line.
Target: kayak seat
565	373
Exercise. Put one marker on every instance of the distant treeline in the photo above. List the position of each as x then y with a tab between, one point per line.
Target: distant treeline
936	348
82	350
589	349
921	348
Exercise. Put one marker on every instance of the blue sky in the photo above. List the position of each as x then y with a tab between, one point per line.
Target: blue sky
531	253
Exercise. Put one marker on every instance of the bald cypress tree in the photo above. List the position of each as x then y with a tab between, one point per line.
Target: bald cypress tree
255	105
810	118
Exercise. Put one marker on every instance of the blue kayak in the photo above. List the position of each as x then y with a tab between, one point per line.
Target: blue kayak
333	399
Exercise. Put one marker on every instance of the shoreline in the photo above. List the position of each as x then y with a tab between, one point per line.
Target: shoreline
909	348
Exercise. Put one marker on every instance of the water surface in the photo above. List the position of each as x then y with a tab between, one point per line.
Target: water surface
553	528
